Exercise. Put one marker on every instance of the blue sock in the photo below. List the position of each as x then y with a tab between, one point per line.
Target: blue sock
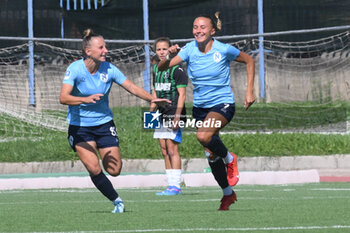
105	186
227	191
217	146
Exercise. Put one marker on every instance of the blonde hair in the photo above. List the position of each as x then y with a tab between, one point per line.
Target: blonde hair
87	36
218	21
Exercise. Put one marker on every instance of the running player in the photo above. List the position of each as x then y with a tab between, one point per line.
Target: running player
170	84
208	67
85	89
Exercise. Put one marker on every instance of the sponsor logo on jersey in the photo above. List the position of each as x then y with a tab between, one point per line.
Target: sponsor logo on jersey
162	86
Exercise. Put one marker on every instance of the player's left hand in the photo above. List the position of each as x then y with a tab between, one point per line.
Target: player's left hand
176	123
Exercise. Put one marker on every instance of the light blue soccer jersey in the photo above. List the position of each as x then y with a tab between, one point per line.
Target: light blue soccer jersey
210	73
85	84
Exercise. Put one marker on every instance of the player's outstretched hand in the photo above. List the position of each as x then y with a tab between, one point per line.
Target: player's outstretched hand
249	100
161	102
248	104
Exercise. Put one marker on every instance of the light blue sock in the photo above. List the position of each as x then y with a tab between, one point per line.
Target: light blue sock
118	200
227	191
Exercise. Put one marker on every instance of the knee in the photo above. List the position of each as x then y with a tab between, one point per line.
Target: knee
93	168
115	169
203	138
94	171
114	172
171	153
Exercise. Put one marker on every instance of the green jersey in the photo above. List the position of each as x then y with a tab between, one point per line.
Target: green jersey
166	82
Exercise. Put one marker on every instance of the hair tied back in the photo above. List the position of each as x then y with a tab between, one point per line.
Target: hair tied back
218	21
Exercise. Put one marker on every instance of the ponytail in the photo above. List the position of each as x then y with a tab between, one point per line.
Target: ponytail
215	21
218	22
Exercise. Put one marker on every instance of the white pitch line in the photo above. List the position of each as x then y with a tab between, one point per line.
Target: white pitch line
330	189
172	200
93	190
298	228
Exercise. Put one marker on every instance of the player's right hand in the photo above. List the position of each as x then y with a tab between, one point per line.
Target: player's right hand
249	100
93	98
173	50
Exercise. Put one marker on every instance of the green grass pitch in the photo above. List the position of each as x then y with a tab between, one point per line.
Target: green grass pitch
311	208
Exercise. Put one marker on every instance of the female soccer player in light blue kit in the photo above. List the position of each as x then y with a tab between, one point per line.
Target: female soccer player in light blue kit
85	89
208	67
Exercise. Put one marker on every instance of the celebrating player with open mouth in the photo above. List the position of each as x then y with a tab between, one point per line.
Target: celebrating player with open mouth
85	89
208	67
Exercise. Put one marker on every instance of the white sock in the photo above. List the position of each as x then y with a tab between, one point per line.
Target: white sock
229	158
118	199
176	177
227	191
168	176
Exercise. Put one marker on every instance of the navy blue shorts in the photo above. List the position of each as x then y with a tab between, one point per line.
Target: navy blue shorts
226	110
104	135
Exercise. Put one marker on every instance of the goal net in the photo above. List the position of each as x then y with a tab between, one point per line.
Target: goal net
306	87
22	119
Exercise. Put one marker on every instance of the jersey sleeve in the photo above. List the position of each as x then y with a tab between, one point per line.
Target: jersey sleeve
69	76
184	53
181	79
118	76
232	53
